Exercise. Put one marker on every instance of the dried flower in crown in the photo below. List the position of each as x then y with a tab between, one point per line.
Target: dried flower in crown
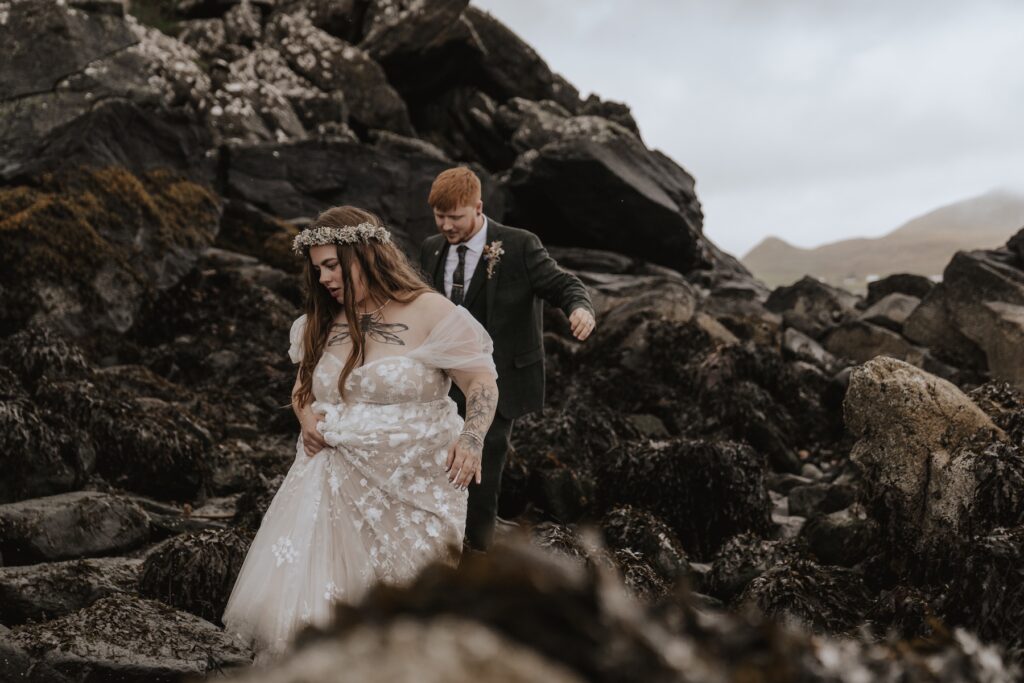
350	234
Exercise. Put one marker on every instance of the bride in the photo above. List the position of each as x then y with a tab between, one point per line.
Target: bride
378	485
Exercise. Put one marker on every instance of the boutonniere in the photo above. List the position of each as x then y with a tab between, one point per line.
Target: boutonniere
492	252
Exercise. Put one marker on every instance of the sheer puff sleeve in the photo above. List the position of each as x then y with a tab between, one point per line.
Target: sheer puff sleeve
295	339
458	342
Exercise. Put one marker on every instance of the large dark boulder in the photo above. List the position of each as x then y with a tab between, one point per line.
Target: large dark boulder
590	177
975	316
70	525
301	179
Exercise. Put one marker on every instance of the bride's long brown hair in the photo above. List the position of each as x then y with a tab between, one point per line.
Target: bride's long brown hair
387	275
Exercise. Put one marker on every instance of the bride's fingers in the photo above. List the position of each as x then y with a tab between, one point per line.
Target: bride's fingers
451	458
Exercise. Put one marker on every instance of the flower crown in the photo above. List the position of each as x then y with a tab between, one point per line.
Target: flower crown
351	234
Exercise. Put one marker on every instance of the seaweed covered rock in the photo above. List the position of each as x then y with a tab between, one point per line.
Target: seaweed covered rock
36	458
987	595
823	599
122	637
706	492
195	572
740	560
115	237
70	525
915	434
39	592
632	528
843	538
1004	403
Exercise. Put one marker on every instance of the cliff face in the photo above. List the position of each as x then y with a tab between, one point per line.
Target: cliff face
710	434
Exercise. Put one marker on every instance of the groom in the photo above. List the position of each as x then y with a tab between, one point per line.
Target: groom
500	274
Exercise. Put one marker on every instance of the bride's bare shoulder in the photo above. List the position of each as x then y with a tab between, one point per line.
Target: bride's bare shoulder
431	307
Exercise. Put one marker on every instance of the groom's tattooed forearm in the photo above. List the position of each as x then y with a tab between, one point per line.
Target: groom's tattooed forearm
481	402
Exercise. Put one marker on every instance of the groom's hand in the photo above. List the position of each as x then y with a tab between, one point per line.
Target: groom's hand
582	322
464	462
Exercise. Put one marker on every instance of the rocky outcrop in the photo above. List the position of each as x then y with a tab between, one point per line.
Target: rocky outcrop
70	525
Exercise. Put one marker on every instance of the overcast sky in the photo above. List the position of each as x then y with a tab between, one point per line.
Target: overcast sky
811	120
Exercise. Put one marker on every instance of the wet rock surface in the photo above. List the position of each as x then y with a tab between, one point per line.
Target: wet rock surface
720	471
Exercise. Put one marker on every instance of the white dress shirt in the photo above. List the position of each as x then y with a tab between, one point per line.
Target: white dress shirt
475	249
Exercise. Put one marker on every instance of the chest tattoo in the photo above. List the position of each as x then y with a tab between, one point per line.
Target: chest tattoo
373	327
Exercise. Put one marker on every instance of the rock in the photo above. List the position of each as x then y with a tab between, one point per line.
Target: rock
975	317
821	599
914	431
47	42
632	528
397	29
812	307
40	592
650	426
133	251
303	178
798	345
121	637
509	67
861	341
916	286
195	572
242	24
891	311
1016	247
811	471
332	64
613	111
318	111
812	499
842	538
205	36
69	525
462	122
706	492
557	191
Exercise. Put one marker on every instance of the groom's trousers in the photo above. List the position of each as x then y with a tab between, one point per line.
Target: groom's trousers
482	509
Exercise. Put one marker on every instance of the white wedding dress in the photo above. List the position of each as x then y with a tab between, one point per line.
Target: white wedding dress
375	506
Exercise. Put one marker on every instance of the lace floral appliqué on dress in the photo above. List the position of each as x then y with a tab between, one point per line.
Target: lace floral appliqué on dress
374	506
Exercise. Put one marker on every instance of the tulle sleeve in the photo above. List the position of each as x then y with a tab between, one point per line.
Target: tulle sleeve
295	339
458	342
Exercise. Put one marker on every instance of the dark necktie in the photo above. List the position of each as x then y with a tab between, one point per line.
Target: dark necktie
459	276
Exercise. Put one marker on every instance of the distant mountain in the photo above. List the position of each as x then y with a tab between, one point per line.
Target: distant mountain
923	245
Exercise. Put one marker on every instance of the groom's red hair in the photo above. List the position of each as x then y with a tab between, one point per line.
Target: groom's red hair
454	188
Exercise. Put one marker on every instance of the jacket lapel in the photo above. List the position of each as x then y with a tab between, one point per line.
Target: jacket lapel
480	279
439	255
